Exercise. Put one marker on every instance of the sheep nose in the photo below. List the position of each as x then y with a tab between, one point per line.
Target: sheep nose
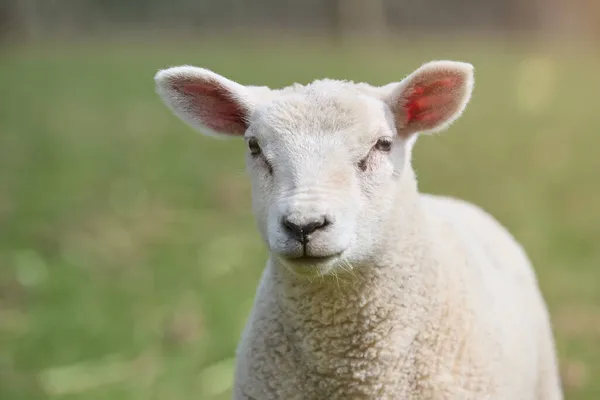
300	231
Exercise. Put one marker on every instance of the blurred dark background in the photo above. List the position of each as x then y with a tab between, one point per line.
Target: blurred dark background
36	19
128	252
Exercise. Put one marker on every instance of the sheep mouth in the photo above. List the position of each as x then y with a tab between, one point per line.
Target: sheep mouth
311	260
311	266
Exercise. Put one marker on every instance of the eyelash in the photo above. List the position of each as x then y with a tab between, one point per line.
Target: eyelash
255	151
383	144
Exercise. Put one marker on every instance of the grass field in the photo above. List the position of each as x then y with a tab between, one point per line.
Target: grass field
127	248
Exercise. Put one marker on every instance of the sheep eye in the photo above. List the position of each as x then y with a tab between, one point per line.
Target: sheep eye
384	144
254	147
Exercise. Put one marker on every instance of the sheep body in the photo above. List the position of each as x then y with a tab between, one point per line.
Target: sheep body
453	311
372	290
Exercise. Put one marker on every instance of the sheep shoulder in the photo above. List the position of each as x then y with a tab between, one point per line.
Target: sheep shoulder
490	304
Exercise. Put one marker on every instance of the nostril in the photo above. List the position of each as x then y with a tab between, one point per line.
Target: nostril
313	226
301	231
292	228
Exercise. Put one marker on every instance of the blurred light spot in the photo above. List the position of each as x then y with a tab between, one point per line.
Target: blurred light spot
217	378
535	84
93	374
574	374
81	377
30	268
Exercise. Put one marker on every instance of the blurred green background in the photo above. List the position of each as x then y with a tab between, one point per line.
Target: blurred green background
128	252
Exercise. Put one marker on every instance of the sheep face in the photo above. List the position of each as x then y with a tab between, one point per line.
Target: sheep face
325	159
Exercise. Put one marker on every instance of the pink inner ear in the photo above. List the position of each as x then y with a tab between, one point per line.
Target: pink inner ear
429	102
215	107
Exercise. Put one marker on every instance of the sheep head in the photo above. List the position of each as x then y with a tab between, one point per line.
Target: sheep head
325	158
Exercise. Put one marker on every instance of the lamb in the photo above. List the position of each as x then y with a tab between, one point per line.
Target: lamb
371	290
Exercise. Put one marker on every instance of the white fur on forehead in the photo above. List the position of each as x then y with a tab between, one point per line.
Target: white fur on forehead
331	87
325	105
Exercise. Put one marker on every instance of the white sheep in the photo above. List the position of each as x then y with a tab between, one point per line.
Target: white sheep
372	290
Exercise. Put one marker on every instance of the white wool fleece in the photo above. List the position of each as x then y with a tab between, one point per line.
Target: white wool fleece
372	290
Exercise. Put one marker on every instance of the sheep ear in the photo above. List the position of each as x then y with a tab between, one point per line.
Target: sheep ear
205	100
430	98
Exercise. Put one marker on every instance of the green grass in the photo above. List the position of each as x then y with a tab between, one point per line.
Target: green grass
128	252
